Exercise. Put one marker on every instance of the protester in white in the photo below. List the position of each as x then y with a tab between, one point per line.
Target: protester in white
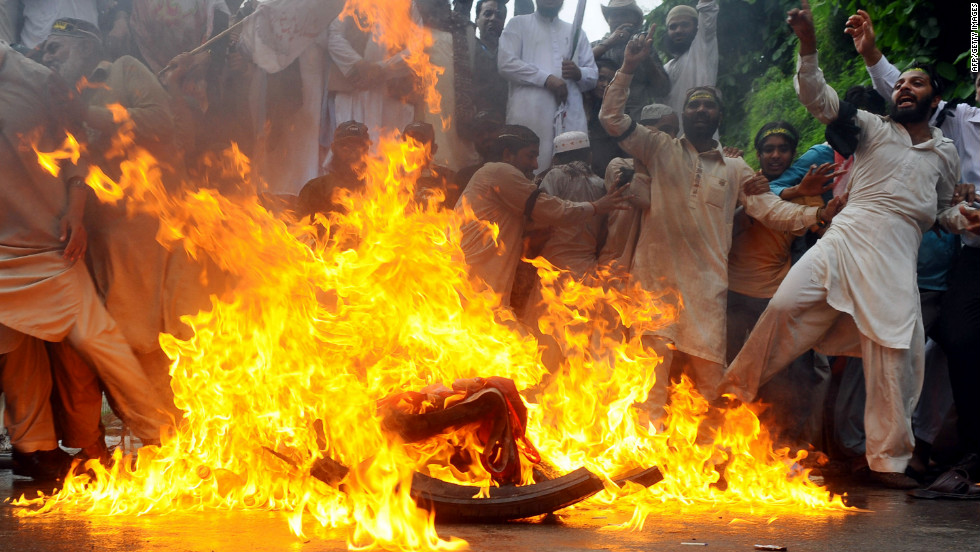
695	61
863	271
957	329
545	86
277	34
361	80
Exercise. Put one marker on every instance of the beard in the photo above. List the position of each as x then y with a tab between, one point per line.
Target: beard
920	112
676	48
550	11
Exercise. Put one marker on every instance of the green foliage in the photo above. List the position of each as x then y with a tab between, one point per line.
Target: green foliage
757	52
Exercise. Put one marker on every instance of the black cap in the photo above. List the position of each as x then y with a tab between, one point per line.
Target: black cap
77	28
421	131
351	129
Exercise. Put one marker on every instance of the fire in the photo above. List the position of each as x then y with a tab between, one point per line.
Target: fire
395	26
287	367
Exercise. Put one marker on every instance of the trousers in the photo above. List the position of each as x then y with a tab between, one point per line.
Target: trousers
797	319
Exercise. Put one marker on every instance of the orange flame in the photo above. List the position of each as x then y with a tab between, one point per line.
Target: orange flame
393	24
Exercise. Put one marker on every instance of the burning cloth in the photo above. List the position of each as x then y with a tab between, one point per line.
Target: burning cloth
493	404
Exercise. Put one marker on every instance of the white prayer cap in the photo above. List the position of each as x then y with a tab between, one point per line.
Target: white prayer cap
653	113
570	141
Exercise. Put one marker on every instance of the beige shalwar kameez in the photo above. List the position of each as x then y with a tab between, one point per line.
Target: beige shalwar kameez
43	295
686	232
498	194
862	272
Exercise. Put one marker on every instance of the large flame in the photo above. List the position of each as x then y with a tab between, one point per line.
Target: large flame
288	365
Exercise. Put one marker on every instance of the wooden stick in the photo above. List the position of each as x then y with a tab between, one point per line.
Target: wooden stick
209	43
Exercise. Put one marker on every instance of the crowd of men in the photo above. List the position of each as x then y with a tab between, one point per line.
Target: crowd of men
596	156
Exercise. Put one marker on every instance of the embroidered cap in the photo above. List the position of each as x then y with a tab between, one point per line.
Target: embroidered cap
571	141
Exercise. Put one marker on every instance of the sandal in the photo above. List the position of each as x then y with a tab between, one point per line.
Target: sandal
952	484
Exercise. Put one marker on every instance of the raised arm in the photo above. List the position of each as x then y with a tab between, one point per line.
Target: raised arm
636	140
819	99
862	32
704	49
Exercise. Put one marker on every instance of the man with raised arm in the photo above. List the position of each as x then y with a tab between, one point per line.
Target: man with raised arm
692	40
686	227
958	326
855	290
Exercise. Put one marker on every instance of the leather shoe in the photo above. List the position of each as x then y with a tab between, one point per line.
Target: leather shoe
893	480
42	465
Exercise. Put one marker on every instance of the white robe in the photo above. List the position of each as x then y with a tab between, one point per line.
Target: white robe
532	48
897	190
382	114
698	66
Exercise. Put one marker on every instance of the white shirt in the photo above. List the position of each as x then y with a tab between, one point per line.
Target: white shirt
39	15
962	127
698	66
531	49
867	259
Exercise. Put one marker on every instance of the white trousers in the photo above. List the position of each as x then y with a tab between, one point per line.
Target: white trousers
796	320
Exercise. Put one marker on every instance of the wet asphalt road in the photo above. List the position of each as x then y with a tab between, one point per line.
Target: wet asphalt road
888	521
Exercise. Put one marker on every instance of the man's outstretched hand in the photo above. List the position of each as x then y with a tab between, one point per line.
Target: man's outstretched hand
637	51
972	217
801	21
863	34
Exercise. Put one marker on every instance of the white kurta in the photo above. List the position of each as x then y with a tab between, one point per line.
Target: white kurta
698	66
962	127
532	48
374	107
867	258
686	232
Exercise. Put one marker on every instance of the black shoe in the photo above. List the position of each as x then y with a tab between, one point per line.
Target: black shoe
42	465
893	480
